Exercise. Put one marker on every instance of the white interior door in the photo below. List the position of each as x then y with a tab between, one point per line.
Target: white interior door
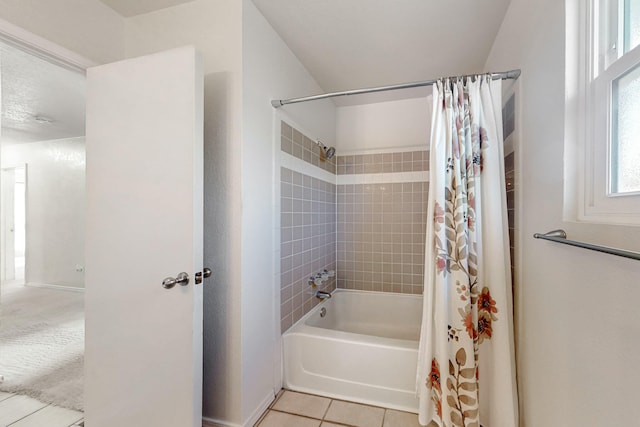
143	359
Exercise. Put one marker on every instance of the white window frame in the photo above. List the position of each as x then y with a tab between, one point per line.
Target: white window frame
589	85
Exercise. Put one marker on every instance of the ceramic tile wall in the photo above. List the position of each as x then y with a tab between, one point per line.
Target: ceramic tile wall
381	236
508	119
410	161
300	146
381	227
307	227
509	171
372	235
308	241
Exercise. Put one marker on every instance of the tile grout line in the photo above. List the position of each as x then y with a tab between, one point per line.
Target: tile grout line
9	395
260	420
296	415
356	403
277	397
323	419
28	415
76	422
353	403
307	416
326	411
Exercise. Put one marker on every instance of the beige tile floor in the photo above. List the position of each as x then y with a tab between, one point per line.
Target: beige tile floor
293	409
22	411
290	409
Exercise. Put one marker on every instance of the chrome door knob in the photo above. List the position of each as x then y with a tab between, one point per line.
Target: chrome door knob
182	279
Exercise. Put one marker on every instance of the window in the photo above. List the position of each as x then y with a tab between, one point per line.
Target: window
611	120
625	133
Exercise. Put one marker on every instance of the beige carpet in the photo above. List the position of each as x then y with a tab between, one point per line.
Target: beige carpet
42	344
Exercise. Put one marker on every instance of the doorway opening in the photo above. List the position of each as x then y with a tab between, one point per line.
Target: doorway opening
42	198
13	223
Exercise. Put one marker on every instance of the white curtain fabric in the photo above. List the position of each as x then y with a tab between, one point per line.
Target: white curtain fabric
466	369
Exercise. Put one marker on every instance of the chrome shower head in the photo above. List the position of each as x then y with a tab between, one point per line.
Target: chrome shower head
327	152
330	152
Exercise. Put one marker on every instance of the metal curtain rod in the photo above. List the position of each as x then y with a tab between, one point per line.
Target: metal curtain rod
277	103
560	236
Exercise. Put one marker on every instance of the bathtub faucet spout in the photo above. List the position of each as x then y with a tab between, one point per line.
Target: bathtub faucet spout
323	295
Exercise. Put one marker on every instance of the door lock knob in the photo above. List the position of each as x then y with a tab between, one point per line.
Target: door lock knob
206	272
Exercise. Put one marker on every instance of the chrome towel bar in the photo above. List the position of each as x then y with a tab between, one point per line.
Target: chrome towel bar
560	236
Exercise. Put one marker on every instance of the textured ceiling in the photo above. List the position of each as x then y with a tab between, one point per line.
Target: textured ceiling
349	44
128	8
40	101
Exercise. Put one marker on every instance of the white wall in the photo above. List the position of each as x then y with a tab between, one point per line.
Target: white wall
214	27
238	371
55	200
246	65
270	71
239	343
392	124
87	27
577	310
90	28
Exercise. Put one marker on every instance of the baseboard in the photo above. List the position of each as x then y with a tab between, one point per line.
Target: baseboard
250	422
264	405
57	287
209	422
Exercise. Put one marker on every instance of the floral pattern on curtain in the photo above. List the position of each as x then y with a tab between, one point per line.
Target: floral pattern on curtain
466	371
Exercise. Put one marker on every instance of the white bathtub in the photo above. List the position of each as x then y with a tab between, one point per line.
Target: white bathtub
365	349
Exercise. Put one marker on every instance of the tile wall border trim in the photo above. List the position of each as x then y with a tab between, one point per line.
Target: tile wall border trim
342	153
298	165
383	178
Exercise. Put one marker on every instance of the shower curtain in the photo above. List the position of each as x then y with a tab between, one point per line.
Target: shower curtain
466	369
